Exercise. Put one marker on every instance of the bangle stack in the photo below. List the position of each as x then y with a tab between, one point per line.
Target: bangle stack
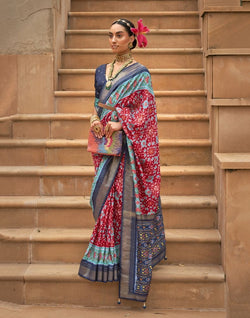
94	118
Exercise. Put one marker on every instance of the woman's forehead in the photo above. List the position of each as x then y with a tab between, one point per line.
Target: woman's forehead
117	28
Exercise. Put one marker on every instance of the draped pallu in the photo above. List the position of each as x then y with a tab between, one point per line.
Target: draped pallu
128	238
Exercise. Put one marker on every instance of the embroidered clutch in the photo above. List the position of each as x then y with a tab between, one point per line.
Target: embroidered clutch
105	146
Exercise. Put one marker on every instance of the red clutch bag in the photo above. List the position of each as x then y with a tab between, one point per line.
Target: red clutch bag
105	146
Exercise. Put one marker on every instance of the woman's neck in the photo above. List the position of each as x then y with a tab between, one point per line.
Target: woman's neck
121	58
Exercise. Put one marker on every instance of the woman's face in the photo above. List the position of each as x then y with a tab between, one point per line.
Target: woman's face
119	39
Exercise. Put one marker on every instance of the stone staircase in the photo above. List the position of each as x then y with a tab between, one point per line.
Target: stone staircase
46	172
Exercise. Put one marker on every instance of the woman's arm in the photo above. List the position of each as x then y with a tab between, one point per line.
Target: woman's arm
96	125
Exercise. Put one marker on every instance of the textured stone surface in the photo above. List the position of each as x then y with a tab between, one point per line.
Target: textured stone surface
235	199
98	5
161	58
35	83
155	38
28	26
219	26
27	129
8	84
8	310
237	240
234	129
236	70
170	80
5	129
156	20
226	3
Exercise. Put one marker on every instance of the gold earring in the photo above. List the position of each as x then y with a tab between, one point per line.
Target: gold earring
130	45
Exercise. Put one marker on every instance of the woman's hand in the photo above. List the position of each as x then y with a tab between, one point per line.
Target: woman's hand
97	128
111	127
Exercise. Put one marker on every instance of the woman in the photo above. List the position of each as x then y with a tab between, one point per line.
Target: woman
128	238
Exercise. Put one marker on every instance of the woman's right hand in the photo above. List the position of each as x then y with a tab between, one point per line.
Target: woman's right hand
97	128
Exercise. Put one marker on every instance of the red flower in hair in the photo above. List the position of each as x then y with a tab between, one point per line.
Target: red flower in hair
139	32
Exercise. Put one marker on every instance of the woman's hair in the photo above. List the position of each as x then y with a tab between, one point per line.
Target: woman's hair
127	25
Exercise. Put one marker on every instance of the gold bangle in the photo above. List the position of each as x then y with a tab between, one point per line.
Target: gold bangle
94	118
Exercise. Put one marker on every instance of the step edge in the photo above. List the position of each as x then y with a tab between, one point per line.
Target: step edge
59	93
134	13
70	274
86	116
189	201
160	31
176	93
144	51
89	170
63	143
83	201
187	170
47	170
215	274
77	71
73	235
184	117
43	202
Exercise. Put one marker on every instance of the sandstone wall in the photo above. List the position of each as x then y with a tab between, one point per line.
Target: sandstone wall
31	35
226	42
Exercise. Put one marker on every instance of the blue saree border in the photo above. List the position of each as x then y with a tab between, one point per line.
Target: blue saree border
125	75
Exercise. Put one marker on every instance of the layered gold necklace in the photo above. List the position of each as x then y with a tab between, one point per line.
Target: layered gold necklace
127	58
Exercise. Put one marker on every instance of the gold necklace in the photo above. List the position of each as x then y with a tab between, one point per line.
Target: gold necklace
111	77
124	57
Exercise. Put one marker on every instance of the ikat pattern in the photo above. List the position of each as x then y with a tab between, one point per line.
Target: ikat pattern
134	103
137	114
150	244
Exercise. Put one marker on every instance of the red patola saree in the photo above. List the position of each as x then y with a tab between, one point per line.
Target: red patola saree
128	238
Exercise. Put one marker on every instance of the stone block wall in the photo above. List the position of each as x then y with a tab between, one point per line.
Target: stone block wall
30	40
226	42
233	193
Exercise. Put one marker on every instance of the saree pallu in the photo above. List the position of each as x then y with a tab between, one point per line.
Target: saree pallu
128	239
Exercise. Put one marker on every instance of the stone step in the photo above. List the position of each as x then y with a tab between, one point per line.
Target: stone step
185	152
187	180
76	126
68	245
152	58
189	286
190	212
133	5
171	79
77	180
65	311
181	102
171	102
153	19
183	126
19	152
171	38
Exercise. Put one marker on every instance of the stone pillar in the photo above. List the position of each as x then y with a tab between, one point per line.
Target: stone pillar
233	192
31	35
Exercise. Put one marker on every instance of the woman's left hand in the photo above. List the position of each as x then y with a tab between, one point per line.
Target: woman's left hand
111	127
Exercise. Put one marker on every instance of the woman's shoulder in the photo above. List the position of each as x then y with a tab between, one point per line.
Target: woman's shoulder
141	68
101	68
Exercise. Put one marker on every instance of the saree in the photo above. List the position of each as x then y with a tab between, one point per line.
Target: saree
128	239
